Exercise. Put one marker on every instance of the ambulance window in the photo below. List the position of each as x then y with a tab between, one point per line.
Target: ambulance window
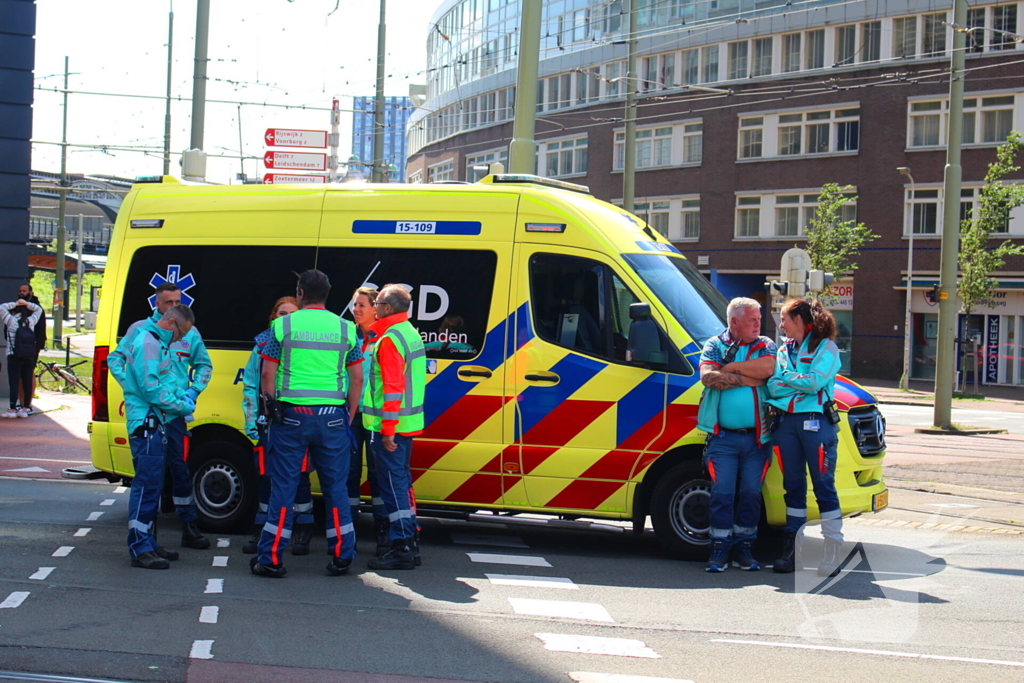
568	300
231	288
621	300
669	358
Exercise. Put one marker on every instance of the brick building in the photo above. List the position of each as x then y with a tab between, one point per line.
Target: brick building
817	92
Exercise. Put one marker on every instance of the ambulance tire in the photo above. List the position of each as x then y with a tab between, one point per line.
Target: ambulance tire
225	485
680	512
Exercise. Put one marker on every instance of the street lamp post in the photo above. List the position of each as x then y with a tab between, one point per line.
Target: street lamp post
907	323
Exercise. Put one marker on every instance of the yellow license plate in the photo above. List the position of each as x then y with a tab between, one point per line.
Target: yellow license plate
880	501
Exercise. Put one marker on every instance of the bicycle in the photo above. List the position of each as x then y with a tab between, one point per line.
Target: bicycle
54	376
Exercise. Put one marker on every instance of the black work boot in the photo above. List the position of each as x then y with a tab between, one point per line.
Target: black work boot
165	554
150	561
398	556
252	545
416	549
191	538
787	563
381	528
273	571
300	539
831	559
743	556
338	566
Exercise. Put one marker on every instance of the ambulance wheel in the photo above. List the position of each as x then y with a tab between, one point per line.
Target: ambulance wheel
225	486
680	512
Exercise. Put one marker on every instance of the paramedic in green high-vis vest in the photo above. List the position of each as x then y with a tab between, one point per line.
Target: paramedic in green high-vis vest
313	371
392	408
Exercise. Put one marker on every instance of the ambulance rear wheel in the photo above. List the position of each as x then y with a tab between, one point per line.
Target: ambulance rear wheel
225	486
680	512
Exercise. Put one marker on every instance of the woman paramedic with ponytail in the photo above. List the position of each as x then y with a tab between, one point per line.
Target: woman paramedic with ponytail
802	389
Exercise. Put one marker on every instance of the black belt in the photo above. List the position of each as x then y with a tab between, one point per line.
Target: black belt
748	430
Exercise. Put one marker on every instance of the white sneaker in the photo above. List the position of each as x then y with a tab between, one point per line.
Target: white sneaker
22	412
10	413
30	411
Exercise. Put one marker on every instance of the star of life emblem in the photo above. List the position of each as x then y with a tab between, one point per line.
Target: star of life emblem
173	275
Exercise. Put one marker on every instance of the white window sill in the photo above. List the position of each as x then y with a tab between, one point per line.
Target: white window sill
786	157
693	164
770	238
942	148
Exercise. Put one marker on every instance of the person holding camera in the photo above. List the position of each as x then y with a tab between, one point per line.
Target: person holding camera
802	388
734	367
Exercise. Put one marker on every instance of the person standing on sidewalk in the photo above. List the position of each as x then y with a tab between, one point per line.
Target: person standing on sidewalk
392	409
189	357
734	368
803	387
28	294
152	399
20	317
311	368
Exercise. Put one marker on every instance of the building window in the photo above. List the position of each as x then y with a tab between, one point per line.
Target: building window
1004	18
791	214
662	146
693	143
976	39
904	37
416	178
871	41
986	120
762	62
691	66
477	166
791	52
933	35
709	55
738	60
614	71
814	51
924	213
799	133
846	45
677	218
751	137
655	214
790	135
441	172
690	219
787	218
564	157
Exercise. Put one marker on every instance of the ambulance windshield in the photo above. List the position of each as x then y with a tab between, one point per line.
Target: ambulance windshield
687	294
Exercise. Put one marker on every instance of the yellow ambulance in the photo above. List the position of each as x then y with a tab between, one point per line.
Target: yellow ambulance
563	337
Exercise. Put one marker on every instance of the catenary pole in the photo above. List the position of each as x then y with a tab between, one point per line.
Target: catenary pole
199	74
58	285
522	153
629	144
167	109
377	171
948	301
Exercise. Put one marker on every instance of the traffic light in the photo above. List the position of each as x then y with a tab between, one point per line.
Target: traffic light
819	280
932	295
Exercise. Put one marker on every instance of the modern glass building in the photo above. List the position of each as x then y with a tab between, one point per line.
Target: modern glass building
396	117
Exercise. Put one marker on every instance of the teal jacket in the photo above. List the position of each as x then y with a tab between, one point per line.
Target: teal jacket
715	352
187	353
251	379
148	380
804	381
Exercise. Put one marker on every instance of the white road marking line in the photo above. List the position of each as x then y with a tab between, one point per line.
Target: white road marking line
214	586
209	614
109	501
943	505
42	573
28	469
73	462
517	560
531	581
121	489
14	599
560	609
595	645
884	653
866	571
487	539
223	542
588	677
83	531
63	551
93	516
220	561
201	649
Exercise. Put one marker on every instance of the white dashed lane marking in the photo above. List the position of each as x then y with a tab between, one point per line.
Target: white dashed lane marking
121	489
531	581
28	470
93	516
587	677
560	609
220	561
109	501
42	573
517	560
594	645
201	649
487	539
214	586
63	551
209	614
82	532
14	599
223	542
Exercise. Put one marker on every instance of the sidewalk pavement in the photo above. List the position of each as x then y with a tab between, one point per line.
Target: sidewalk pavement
921	393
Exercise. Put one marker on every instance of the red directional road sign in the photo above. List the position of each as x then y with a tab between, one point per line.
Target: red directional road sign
290	137
284	179
295	161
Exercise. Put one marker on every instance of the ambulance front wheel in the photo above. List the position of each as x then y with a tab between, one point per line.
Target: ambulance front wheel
680	512
225	485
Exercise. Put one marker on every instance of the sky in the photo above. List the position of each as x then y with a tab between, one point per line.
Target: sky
292	52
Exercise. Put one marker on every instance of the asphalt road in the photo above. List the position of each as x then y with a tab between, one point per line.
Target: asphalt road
920	605
921	416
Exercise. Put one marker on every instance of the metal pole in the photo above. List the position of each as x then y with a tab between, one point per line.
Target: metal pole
58	285
241	153
199	74
629	144
377	172
908	322
522	153
944	360
167	110
80	272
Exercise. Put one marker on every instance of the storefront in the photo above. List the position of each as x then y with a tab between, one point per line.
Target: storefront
841	306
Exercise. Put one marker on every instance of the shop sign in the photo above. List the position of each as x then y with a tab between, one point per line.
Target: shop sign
992	351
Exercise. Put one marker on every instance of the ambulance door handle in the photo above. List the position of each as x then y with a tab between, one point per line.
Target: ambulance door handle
543	377
474	373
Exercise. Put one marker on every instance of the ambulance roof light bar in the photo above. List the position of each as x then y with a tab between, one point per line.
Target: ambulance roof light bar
536	180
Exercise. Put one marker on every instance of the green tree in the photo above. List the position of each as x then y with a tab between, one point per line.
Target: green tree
977	259
834	243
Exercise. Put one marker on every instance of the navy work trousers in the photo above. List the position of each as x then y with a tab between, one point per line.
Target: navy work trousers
395	481
176	454
144	500
737	465
807	442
